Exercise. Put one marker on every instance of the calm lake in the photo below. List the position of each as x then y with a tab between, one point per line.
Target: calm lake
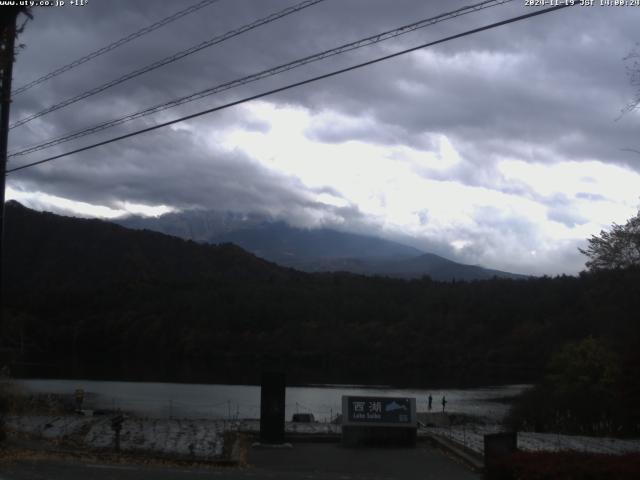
243	401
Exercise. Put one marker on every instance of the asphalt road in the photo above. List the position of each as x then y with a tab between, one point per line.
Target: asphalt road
303	461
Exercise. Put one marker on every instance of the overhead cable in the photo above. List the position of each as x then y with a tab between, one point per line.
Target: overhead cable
264	74
169	59
114	45
293	85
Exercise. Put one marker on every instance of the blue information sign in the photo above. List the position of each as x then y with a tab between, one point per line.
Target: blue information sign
379	410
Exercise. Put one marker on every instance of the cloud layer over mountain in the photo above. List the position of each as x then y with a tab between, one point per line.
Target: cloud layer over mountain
503	148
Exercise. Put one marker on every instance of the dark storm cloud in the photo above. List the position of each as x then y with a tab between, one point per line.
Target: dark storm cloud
561	75
556	87
175	168
544	90
557	82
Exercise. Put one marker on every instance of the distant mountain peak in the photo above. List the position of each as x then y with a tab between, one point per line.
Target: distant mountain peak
312	250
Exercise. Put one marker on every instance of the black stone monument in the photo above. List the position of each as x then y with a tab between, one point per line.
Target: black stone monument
272	400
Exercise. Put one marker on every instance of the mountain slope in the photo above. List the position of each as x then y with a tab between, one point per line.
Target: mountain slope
313	250
439	268
45	249
279	241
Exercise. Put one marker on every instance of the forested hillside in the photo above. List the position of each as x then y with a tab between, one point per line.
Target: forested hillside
89	298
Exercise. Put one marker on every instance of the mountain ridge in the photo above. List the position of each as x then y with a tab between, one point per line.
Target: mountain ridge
312	250
102	251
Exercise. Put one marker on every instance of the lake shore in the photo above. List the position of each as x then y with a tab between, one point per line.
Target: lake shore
210	435
214	440
163	400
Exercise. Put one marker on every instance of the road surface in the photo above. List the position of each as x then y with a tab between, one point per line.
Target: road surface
328	461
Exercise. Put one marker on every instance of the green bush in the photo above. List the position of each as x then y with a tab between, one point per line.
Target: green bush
578	396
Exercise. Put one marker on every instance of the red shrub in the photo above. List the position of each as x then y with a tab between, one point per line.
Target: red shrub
566	466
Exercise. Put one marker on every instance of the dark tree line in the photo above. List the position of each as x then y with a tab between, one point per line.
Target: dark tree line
89	298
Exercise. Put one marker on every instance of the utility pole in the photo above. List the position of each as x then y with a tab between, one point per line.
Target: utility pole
8	19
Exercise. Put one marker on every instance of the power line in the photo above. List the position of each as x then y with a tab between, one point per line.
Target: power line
114	45
293	85
165	61
265	73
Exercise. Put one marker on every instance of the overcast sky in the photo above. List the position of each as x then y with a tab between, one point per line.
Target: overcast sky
505	148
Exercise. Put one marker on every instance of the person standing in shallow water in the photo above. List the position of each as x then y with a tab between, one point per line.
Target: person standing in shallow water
430	401
444	403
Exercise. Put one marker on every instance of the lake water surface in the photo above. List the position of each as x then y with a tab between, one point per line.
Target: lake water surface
243	401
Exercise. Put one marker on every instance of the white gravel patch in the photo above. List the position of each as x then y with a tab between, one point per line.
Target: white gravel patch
202	439
473	437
